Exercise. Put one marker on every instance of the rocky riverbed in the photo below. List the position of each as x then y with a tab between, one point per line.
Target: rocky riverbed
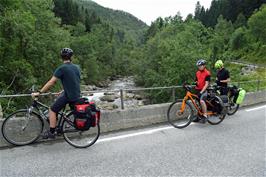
107	94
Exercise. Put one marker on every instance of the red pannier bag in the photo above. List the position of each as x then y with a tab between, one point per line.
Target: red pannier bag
86	114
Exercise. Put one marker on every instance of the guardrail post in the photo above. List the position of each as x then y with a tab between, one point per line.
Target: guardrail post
173	93
122	99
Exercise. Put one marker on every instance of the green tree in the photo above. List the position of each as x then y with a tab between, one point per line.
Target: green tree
220	40
257	25
238	39
240	21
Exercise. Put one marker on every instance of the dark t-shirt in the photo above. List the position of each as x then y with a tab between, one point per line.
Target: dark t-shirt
69	74
223	74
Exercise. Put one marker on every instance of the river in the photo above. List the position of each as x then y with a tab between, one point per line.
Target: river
106	98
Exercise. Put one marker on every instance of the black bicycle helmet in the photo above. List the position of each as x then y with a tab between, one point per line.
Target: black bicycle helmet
66	53
201	62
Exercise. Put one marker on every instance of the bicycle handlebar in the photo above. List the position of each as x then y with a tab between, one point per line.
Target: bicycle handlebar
211	87
215	87
187	87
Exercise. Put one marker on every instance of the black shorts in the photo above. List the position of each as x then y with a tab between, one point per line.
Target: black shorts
203	96
60	103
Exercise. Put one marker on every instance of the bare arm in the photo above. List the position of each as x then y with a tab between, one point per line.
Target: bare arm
205	86
49	84
225	81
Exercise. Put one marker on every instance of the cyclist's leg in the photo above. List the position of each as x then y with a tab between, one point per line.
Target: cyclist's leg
52	118
59	104
203	104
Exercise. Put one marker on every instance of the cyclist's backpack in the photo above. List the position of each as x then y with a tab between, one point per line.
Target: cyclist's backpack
241	96
86	114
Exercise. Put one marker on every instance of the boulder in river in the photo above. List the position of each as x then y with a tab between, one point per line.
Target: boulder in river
140	103
109	93
108	98
93	87
130	96
137	97
103	84
248	69
113	78
107	106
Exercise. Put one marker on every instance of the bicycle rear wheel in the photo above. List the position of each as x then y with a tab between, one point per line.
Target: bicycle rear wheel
233	107
177	118
78	138
218	111
22	128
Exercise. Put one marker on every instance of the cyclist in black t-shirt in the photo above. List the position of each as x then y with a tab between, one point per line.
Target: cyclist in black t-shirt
69	75
222	77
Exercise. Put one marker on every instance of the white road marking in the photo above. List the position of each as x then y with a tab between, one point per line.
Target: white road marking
154	130
134	134
253	109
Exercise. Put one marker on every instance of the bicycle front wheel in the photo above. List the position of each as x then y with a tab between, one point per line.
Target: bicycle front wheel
177	117
78	138
22	128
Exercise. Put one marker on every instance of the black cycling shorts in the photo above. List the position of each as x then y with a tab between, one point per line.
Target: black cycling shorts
60	103
203	95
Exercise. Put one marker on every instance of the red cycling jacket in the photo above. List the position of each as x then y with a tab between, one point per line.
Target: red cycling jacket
201	77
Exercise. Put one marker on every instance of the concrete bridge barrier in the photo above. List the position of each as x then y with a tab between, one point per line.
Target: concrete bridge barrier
147	115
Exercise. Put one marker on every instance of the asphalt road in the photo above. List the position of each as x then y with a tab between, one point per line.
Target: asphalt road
236	147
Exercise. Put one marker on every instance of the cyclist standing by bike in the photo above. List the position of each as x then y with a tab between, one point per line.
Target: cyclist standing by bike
222	77
69	75
203	78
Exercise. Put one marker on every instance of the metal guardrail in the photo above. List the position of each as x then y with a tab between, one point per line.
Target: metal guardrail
122	91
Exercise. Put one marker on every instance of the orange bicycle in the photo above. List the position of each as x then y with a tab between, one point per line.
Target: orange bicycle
183	111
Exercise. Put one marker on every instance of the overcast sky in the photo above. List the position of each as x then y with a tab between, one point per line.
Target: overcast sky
149	10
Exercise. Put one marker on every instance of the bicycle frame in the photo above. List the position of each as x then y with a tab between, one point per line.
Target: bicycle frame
61	115
189	96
